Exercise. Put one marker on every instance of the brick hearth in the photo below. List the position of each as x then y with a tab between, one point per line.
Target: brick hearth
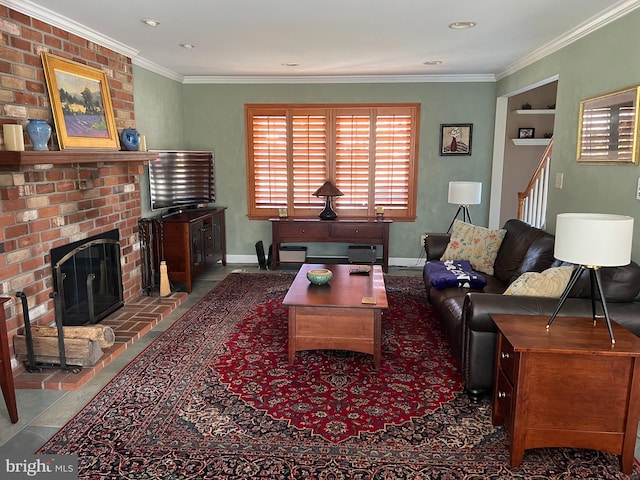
130	323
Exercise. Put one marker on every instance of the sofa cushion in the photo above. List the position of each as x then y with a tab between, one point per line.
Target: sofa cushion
539	256
524	248
550	283
478	245
619	284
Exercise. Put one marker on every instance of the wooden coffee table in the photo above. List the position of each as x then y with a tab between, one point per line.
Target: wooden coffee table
333	316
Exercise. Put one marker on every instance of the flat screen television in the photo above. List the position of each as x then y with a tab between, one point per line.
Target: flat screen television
181	179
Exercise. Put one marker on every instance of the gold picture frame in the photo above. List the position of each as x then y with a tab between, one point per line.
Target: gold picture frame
608	128
81	104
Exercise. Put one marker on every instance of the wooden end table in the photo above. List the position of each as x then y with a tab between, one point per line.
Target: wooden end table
333	316
6	374
567	386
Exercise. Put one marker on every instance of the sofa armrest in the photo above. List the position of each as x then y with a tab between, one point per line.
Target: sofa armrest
435	244
479	306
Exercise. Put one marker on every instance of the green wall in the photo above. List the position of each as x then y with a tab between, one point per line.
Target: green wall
601	62
214	120
159	116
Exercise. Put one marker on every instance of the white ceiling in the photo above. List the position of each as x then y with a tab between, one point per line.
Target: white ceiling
376	39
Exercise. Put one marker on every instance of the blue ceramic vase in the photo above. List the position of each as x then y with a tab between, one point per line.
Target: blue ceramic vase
39	133
130	139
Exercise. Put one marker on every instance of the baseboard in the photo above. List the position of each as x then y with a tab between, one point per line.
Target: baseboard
393	261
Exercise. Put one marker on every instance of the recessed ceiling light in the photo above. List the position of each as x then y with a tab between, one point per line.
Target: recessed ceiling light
188	46
150	22
432	62
462	25
290	64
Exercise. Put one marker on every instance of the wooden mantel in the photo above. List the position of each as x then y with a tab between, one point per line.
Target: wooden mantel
63	157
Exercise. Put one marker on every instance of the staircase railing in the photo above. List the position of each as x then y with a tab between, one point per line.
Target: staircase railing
532	203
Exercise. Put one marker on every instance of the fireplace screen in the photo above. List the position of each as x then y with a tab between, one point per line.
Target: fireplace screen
87	279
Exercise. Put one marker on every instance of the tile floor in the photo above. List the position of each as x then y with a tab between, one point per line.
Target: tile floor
42	412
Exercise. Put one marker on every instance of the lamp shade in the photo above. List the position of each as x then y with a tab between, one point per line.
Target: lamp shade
594	239
328	189
465	193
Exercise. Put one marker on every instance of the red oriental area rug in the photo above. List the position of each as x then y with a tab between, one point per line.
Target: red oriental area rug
214	397
340	395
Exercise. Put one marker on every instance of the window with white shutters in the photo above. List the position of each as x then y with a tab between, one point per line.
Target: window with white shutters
370	152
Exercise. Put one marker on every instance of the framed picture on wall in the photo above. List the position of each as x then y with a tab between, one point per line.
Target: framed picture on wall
455	139
608	128
81	104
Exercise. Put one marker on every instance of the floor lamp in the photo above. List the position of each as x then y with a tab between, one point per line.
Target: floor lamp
591	241
464	194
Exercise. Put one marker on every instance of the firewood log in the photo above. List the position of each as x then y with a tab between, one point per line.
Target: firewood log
78	351
100	333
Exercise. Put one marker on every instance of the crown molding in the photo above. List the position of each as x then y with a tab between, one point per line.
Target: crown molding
52	18
325	79
582	30
159	69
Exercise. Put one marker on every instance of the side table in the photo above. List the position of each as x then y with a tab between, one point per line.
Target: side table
567	386
6	375
342	230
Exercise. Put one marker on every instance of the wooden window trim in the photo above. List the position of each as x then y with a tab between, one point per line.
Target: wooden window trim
402	179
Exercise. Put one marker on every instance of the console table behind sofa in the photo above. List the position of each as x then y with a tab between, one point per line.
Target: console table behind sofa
307	230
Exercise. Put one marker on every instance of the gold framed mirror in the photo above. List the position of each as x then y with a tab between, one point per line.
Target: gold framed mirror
608	128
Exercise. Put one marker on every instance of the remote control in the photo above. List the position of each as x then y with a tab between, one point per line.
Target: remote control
360	271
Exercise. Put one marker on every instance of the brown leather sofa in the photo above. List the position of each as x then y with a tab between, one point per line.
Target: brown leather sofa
464	313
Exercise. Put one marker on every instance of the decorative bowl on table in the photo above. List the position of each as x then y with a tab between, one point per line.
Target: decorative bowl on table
319	276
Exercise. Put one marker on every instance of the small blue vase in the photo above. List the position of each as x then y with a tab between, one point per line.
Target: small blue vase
130	139
39	133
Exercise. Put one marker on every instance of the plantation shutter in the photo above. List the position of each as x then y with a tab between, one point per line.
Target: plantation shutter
269	153
352	160
393	161
368	151
309	158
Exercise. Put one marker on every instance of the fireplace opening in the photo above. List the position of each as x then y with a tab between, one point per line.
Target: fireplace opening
87	279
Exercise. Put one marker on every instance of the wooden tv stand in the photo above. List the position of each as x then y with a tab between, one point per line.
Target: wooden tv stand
349	230
193	241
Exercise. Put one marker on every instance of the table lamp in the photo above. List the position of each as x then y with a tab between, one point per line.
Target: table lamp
328	190
591	241
464	194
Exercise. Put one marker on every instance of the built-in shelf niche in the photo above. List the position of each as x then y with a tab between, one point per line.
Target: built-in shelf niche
530	141
536	111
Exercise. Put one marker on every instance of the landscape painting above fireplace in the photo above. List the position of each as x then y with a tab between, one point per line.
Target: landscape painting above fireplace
81	104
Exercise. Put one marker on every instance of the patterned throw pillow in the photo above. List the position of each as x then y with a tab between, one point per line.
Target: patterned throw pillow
479	245
550	283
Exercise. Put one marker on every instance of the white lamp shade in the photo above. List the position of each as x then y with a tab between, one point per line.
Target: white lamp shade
594	239
465	193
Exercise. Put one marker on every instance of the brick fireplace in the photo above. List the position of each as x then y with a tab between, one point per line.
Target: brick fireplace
48	199
48	206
